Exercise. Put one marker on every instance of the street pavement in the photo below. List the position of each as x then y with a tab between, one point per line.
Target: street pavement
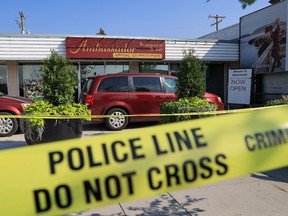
255	194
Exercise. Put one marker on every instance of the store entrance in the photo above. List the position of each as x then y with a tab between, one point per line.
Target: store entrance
215	79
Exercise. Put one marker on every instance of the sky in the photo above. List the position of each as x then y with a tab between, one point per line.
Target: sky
139	18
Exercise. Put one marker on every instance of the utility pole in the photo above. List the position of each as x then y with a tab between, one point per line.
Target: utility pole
218	19
21	22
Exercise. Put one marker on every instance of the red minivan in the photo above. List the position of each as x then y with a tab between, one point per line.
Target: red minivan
131	94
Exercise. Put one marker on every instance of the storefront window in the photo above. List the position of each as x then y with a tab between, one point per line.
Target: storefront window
153	68
100	69
30	81
174	67
3	79
90	70
116	68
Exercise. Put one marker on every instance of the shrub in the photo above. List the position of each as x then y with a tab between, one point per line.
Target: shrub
45	109
191	77
190	90
59	80
185	105
42	108
276	102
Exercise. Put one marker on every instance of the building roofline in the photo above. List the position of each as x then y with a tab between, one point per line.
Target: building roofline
221	30
19	35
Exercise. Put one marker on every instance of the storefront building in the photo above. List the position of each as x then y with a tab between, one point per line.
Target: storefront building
262	37
21	56
263	47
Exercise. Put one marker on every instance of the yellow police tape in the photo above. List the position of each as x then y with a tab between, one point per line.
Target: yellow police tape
73	175
219	112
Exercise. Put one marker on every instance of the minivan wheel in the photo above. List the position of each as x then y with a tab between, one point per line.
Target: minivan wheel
118	122
8	126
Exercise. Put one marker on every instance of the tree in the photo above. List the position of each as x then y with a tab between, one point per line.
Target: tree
59	80
191	77
245	3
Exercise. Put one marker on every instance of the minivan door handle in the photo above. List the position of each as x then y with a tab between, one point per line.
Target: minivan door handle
158	97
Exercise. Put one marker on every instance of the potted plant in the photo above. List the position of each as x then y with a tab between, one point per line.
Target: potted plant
58	114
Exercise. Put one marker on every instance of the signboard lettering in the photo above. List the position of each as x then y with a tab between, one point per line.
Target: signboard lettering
112	48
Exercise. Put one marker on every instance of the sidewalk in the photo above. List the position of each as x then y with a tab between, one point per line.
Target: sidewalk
256	194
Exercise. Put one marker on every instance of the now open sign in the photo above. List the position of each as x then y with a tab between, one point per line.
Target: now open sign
239	86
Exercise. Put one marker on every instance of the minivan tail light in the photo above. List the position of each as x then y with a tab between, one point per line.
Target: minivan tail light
23	105
89	99
219	99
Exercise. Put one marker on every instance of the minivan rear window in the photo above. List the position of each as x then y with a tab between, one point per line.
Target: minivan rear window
114	84
87	86
147	84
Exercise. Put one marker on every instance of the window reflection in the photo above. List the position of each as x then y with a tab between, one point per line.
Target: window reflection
87	70
116	68
114	84
147	84
174	67
30	81
170	85
100	69
3	79
153	68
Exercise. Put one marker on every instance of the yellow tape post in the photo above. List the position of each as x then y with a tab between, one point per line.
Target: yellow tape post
73	175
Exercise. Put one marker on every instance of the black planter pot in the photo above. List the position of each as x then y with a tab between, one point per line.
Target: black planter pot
56	130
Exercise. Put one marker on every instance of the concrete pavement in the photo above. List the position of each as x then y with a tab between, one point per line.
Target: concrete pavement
255	194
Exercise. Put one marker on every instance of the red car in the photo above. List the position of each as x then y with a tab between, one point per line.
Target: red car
131	94
213	98
11	105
